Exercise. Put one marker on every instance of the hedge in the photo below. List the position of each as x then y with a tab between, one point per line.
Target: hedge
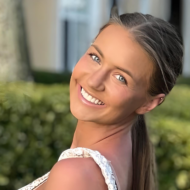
36	126
169	126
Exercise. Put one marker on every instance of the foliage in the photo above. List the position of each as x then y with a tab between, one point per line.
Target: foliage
183	80
36	126
51	78
169	126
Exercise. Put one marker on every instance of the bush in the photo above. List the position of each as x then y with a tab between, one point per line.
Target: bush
51	78
169	126
36	126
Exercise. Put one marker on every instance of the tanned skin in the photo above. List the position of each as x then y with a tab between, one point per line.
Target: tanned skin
107	130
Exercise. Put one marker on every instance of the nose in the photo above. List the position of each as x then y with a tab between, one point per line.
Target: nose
96	80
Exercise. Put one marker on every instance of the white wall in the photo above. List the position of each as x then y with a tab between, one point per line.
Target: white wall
99	12
186	36
158	8
43	29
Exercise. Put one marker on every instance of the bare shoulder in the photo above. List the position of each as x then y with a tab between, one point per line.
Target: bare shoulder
76	173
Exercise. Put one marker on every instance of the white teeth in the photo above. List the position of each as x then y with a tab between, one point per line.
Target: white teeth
90	98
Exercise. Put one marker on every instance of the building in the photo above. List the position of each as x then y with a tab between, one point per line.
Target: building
60	31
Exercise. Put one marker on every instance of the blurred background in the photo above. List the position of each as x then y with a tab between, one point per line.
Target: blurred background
40	43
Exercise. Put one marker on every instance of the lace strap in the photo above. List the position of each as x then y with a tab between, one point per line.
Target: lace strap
102	162
35	183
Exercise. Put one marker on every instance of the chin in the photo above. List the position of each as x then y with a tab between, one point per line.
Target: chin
81	114
77	111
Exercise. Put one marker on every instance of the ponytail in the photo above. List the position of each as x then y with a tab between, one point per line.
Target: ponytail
143	157
164	46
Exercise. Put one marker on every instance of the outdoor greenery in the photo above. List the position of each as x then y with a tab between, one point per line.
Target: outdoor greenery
169	126
51	78
36	126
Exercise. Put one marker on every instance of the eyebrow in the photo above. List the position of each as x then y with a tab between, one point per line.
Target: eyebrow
122	69
99	51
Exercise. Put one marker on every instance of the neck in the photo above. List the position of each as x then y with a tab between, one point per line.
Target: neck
93	135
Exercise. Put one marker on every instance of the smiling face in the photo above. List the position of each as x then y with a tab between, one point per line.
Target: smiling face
100	71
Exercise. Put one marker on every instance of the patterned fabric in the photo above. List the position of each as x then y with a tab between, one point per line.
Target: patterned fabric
80	152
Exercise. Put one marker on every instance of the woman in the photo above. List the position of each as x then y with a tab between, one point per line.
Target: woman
128	70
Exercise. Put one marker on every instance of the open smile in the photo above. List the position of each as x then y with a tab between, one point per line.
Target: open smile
82	97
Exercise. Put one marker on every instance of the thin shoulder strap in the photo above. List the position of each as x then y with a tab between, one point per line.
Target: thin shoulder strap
100	160
36	183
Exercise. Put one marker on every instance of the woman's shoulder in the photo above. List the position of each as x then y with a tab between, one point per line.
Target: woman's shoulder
75	173
80	168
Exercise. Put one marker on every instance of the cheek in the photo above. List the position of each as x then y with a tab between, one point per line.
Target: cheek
81	67
126	98
120	97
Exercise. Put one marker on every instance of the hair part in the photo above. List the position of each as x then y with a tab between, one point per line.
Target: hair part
165	48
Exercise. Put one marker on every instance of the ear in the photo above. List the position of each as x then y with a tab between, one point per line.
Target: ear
150	104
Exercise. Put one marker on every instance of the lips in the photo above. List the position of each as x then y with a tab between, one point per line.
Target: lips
102	103
86	102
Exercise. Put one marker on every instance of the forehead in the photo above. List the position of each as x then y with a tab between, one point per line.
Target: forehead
120	49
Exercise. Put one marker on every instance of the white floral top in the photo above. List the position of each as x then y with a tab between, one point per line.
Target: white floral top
101	161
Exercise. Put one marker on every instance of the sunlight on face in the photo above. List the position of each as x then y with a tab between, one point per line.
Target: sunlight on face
116	70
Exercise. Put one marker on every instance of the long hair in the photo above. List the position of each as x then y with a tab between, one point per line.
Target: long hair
164	46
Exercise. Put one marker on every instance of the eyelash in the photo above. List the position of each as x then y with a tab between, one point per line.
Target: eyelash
94	54
91	54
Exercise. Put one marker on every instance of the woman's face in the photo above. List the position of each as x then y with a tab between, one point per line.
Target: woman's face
100	71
